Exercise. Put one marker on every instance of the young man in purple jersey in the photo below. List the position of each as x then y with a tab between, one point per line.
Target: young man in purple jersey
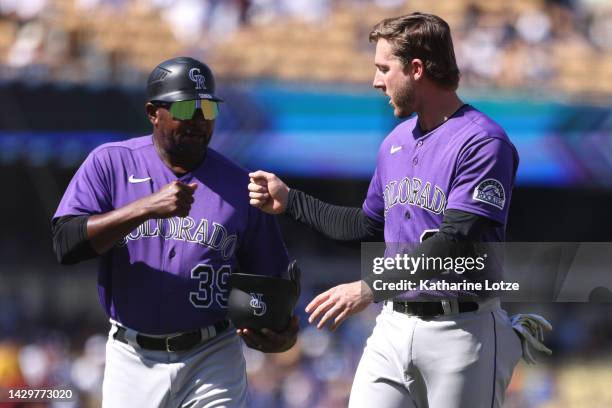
170	221
443	177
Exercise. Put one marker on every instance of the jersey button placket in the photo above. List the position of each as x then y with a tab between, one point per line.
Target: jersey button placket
415	159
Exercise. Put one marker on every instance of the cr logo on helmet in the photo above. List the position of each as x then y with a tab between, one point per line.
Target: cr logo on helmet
195	76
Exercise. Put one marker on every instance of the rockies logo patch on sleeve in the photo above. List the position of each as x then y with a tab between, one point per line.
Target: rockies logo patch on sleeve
490	191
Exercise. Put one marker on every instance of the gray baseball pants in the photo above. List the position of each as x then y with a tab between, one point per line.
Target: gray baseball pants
455	361
210	375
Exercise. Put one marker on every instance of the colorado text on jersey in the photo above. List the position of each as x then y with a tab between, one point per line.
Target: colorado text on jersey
182	229
412	191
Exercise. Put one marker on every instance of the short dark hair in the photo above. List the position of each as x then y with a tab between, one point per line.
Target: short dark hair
423	36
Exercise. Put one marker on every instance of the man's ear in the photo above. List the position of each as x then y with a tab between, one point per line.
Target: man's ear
417	69
151	111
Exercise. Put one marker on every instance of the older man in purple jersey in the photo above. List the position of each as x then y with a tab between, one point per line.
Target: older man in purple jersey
170	220
443	177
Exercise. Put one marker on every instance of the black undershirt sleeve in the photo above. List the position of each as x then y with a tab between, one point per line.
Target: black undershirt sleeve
70	242
464	226
333	221
459	232
455	238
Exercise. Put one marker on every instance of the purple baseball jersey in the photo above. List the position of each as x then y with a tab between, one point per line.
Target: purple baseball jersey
467	163
171	275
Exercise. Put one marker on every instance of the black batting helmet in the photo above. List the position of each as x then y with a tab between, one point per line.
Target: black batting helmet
258	301
181	79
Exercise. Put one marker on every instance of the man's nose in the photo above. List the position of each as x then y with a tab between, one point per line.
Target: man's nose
198	116
378	82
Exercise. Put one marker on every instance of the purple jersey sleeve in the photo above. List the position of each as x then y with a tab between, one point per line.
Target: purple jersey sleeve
374	204
88	191
484	179
263	251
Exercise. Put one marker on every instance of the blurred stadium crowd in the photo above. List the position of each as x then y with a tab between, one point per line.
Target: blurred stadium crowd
543	45
561	45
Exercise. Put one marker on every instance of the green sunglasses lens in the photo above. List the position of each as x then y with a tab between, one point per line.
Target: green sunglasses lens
184	110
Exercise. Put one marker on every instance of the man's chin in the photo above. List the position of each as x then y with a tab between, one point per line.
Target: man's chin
400	114
192	142
190	146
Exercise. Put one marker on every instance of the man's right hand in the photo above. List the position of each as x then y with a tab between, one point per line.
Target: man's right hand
172	200
267	192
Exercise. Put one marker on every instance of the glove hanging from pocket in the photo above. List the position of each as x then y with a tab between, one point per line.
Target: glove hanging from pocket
530	329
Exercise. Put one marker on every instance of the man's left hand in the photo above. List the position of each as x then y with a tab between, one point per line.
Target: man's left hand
269	341
338	303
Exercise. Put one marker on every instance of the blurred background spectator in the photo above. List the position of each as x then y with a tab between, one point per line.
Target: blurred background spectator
528	43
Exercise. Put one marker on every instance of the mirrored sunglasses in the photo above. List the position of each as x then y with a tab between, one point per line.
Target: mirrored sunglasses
184	110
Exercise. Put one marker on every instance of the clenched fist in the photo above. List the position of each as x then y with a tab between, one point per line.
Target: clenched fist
173	199
267	192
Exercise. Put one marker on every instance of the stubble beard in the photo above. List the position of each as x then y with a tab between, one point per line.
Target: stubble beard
187	146
403	102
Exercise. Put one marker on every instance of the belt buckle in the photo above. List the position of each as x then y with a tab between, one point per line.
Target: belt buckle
447	307
450	306
167	341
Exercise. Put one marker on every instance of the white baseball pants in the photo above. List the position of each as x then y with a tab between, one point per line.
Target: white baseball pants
458	361
210	375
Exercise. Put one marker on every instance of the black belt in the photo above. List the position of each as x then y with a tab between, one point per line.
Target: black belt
178	342
433	309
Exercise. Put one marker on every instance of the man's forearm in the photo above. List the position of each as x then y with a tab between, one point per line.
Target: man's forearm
335	222
439	246
460	235
77	238
104	230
